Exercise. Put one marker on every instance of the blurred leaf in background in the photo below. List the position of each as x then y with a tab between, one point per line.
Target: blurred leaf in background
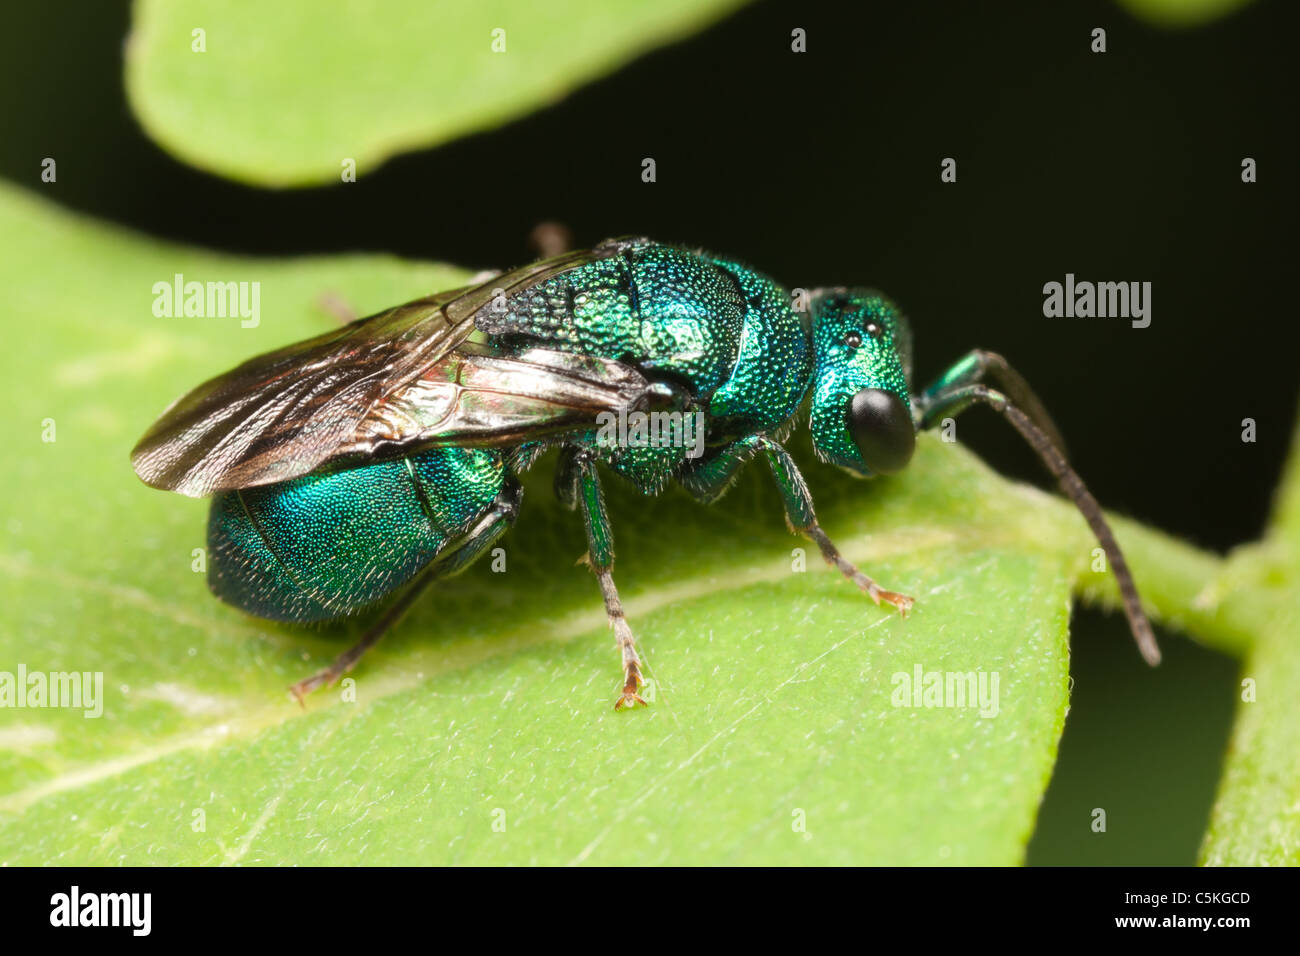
1181	13
1256	819
290	94
282	94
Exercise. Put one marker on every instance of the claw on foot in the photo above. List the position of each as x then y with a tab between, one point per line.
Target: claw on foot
304	687
630	697
892	598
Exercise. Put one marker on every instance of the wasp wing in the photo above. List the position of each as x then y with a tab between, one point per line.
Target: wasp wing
474	396
291	411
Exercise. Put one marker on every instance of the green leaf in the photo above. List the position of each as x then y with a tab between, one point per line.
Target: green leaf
1256	819
774	736
284	92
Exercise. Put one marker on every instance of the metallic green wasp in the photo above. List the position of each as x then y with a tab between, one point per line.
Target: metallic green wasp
385	455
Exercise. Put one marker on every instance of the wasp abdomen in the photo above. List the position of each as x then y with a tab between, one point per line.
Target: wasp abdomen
324	545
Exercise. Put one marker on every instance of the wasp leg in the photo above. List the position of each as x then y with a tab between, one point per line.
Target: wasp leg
711	478
577	473
568	476
550	239
802	519
454	559
337	306
954	392
348	659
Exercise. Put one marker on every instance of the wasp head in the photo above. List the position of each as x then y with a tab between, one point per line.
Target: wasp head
861	413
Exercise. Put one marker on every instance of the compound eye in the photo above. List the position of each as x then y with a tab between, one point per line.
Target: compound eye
881	427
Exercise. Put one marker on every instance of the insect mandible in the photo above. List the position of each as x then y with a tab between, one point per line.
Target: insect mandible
385	455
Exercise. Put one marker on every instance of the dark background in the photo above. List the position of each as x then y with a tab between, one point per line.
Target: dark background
823	168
